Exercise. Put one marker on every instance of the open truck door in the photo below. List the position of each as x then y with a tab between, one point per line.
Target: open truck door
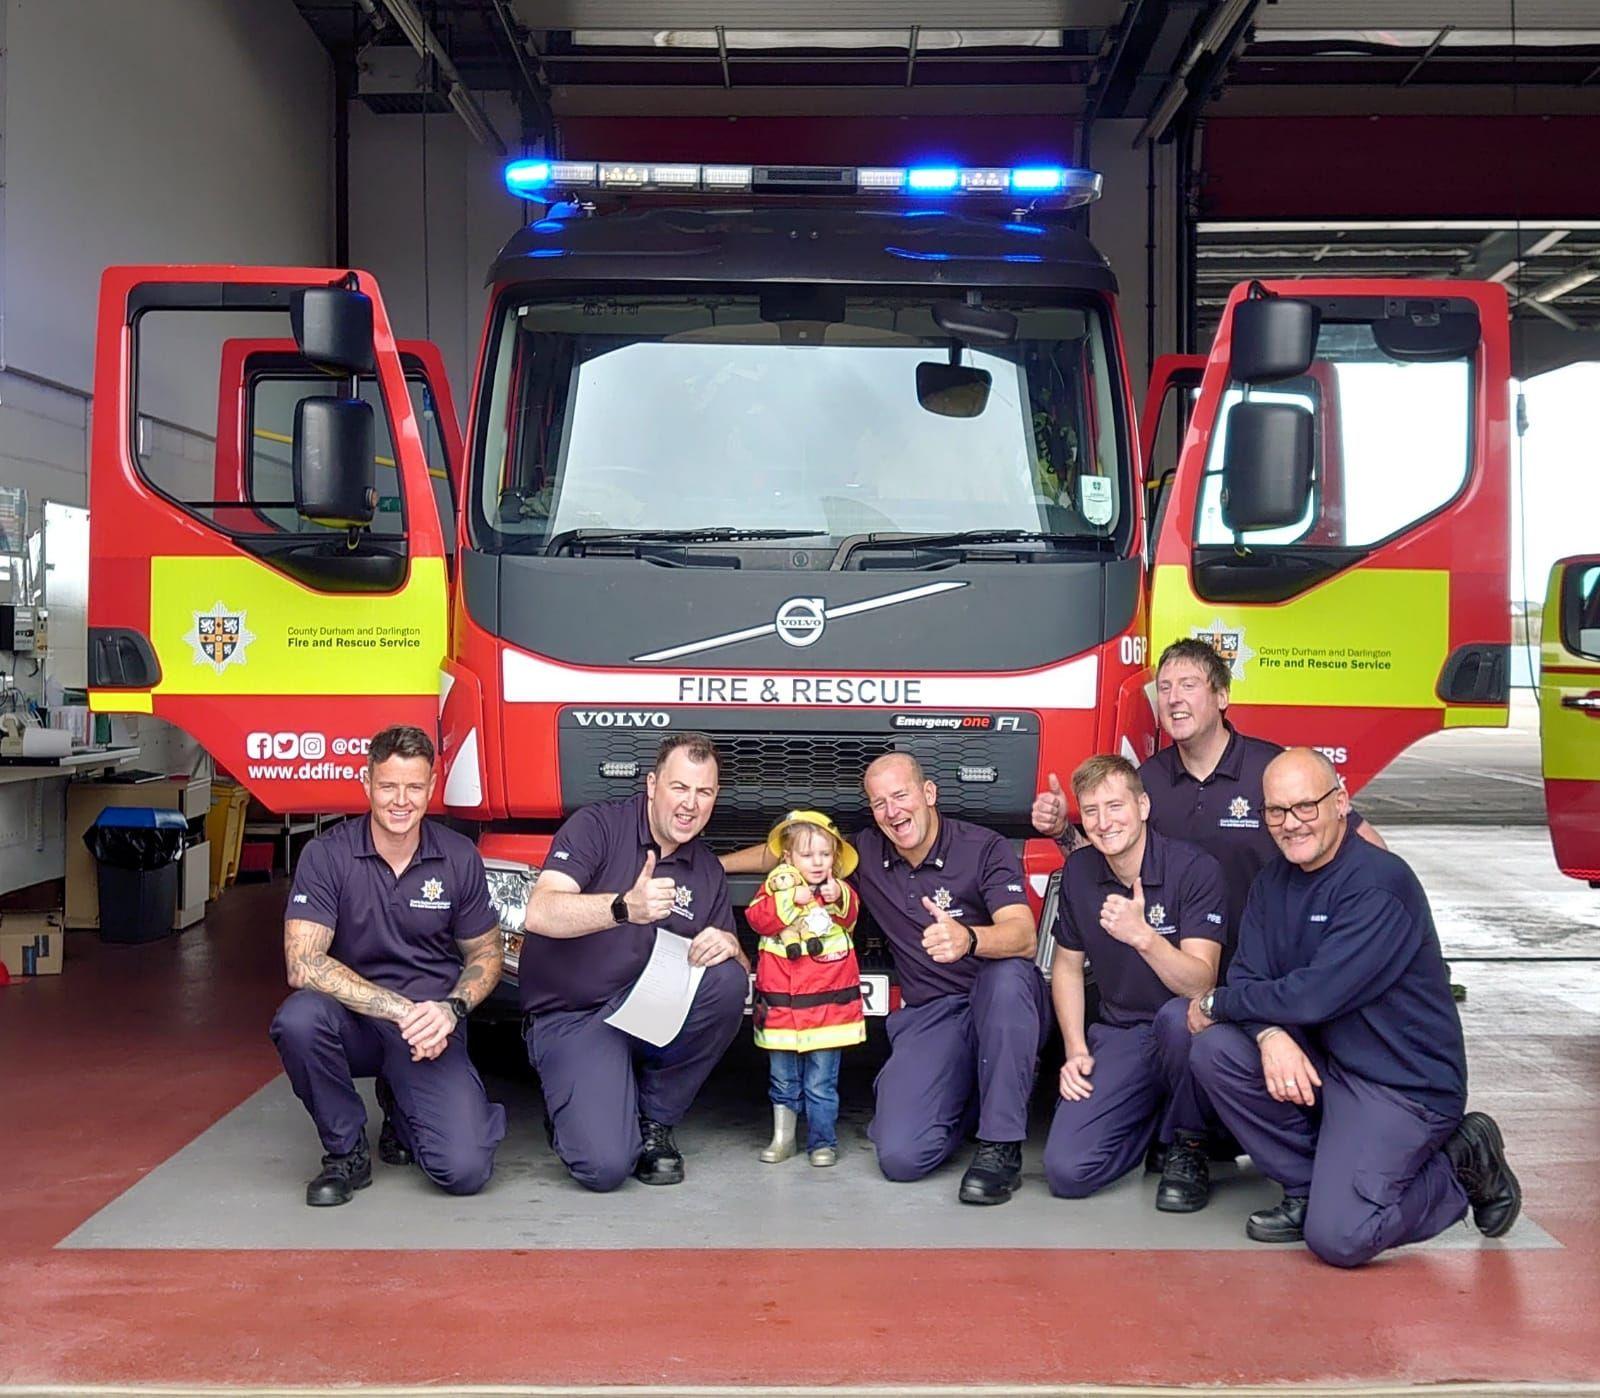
1569	715
280	601
1338	524
260	384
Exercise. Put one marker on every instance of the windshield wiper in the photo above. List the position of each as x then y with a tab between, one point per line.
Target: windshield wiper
961	539
711	534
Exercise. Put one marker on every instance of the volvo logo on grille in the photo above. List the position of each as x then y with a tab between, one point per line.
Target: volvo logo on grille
800	620
621	718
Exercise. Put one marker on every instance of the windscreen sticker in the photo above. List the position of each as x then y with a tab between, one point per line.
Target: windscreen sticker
1094	499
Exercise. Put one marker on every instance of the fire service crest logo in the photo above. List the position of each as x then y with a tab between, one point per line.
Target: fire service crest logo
1239	808
1228	642
219	637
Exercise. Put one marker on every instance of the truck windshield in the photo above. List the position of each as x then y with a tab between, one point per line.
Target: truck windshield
691	412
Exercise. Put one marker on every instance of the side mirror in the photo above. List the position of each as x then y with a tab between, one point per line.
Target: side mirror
1273	338
975	325
952	390
333	329
334	443
1266	466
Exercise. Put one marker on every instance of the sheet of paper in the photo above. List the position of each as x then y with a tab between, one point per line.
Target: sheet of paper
656	1007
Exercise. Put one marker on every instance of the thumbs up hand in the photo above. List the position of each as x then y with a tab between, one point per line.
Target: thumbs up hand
650	898
1124	918
944	939
1050	810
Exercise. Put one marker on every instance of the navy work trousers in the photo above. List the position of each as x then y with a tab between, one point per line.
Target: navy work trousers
441	1111
1141	1087
956	1061
599	1081
1368	1159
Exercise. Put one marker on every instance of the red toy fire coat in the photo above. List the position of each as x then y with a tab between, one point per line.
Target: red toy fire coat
811	1001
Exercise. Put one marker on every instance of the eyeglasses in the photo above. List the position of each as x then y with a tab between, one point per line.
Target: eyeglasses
1303	810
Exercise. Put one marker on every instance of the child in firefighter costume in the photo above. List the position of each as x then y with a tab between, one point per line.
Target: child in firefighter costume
808	982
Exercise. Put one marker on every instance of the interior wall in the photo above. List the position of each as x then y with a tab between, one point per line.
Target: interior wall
155	131
428	212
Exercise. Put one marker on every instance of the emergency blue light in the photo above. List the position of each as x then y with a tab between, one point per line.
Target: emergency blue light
1060	185
1038	179
525	177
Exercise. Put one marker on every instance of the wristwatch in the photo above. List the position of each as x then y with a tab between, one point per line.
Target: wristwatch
459	1007
1205	1004
619	908
972	941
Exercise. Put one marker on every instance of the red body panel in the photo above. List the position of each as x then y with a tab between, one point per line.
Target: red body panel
1468	538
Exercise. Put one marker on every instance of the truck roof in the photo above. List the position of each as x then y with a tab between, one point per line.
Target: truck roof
804	243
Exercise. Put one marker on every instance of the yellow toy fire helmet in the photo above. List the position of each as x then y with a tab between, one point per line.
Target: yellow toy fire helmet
844	860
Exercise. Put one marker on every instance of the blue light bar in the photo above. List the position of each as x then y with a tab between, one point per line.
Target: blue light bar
1038	179
525	177
1062	186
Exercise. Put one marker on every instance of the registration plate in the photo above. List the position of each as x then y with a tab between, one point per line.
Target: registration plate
874	993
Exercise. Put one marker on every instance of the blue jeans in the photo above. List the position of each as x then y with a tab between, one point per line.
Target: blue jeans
813	1076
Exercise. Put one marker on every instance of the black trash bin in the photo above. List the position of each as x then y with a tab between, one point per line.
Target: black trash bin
136	851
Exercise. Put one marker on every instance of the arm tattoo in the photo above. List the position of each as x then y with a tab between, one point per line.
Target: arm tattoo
305	951
480	972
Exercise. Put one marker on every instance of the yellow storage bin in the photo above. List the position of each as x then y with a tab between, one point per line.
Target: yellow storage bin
225	831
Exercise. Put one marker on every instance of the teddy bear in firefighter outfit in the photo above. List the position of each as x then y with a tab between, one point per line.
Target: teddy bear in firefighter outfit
808	982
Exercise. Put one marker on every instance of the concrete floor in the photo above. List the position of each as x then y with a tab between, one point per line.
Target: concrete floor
151	1230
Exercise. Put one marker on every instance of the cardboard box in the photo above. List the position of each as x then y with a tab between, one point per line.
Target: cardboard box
31	943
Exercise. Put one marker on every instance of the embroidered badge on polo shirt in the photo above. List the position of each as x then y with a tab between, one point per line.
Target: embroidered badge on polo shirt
433	898
1239	817
682	896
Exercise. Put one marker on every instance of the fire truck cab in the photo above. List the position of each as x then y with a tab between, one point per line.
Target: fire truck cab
824	475
1569	715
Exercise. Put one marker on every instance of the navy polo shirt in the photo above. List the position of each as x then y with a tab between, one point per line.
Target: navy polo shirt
1183	897
603	847
1222	814
400	933
1350	955
970	871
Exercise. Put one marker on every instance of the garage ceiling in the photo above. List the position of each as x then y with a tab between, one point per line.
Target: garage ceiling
1156	61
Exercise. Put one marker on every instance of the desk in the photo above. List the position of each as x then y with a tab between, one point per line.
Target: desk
73	765
33	813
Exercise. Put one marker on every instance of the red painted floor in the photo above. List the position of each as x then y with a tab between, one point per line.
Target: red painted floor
108	1069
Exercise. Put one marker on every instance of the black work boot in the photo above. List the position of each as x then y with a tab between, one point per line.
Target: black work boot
660	1162
1285	1223
1478	1154
391	1149
341	1176
1185	1186
994	1174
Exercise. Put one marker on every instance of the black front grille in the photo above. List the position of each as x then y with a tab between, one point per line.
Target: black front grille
764	773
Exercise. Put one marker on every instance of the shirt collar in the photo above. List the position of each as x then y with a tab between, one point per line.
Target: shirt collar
647	839
1151	868
427	845
937	854
1230	765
